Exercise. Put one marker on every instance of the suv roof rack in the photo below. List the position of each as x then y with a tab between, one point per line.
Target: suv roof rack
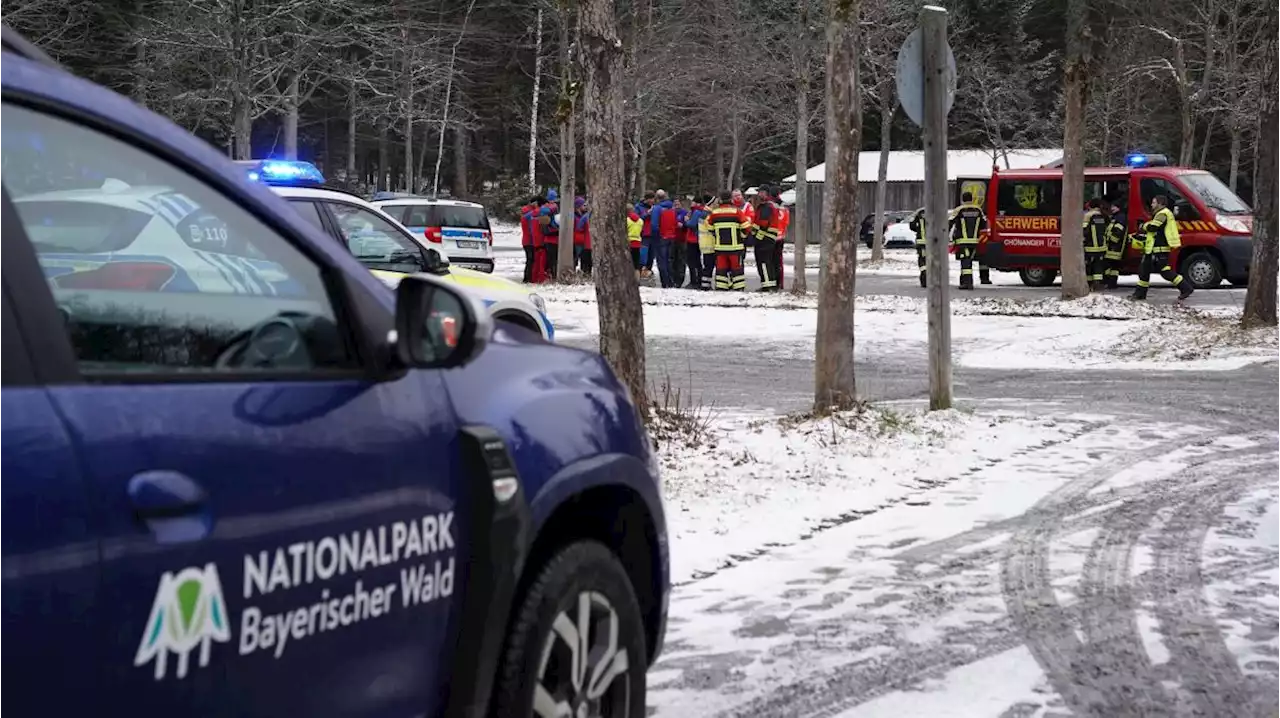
20	46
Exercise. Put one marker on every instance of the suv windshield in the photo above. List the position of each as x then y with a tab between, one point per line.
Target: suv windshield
1215	195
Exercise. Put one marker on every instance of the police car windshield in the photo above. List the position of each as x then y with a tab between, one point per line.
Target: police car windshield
438	215
1215	195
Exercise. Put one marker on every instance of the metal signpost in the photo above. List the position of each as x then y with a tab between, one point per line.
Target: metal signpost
926	75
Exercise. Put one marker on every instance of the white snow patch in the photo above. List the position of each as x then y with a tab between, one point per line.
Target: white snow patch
987	687
1149	632
758	481
1066	563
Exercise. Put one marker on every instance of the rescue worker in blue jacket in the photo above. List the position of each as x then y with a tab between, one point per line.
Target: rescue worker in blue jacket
1096	222
967	221
1161	241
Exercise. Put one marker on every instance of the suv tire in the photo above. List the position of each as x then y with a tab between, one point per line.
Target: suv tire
1203	269
1038	277
582	585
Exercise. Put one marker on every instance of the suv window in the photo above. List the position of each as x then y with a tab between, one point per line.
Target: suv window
1029	198
376	242
438	215
156	271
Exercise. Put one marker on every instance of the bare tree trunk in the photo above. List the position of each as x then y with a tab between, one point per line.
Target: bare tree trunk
1233	175
565	112
533	114
834	386
735	153
407	78
800	235
243	128
1075	95
882	177
617	294
633	181
1204	148
291	118
1260	298
352	102
384	160
642	164
1186	107
448	95
460	189
721	186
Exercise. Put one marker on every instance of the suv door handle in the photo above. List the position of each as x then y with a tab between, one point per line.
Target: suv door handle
165	495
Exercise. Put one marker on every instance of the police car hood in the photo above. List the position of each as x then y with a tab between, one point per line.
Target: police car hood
490	286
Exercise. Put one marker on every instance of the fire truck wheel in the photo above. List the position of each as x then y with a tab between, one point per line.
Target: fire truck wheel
1038	277
1203	269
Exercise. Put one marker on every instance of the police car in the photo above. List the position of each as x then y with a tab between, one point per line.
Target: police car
386	247
286	490
460	229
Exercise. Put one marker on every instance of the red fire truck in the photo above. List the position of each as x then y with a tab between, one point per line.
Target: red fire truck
1024	206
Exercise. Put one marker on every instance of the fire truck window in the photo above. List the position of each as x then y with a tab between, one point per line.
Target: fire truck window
1093	190
1030	198
1152	186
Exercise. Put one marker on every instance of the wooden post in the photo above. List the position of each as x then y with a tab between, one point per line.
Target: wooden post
933	24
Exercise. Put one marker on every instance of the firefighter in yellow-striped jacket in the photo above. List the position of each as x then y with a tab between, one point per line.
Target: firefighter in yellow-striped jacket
1096	222
729	228
1161	242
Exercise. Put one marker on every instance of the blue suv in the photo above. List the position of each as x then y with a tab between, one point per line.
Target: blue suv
244	478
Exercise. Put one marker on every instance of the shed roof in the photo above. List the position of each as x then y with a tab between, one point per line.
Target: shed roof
908	165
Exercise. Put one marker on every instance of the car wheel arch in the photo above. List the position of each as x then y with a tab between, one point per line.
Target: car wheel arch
591	502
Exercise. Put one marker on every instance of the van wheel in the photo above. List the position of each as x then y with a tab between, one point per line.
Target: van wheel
1038	277
576	645
1203	269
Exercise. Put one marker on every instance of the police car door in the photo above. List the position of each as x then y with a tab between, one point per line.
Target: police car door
277	525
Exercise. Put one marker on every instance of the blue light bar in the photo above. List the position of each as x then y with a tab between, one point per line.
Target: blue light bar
283	172
1145	160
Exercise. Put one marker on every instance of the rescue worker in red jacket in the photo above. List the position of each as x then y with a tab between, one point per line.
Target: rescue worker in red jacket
784	224
527	214
767	222
582	235
538	270
729	227
692	253
549	222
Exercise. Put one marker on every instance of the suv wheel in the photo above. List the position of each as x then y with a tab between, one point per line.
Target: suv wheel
576	645
1203	270
1038	277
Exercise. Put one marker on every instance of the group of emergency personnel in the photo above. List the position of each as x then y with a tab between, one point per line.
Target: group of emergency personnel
540	237
1105	236
965	223
709	239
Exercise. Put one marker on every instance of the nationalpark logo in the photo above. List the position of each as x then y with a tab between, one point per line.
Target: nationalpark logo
188	611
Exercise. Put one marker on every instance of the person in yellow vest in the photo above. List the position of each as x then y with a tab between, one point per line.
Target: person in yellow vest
707	242
1161	242
967	221
635	226
729	226
1096	221
922	260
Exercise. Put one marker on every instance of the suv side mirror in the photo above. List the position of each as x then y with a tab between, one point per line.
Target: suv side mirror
437	325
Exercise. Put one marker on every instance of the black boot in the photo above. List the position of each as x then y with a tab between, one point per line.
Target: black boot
1185	289
1139	294
923	283
984	277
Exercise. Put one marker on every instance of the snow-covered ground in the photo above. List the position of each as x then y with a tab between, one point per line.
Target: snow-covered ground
736	484
1097	331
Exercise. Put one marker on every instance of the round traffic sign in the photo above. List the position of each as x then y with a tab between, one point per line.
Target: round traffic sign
910	77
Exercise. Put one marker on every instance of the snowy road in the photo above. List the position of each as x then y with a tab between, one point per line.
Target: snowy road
1125	565
1122	569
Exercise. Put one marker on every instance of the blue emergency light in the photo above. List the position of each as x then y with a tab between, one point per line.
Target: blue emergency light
283	172
1145	160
